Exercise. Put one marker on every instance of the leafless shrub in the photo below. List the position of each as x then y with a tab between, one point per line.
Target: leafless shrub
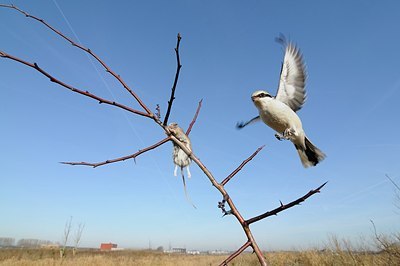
144	111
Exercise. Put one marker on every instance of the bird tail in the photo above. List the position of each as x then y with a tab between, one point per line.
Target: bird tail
310	155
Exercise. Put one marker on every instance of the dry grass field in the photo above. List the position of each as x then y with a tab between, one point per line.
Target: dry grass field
337	253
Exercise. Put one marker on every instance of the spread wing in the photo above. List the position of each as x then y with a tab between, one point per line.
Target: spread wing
291	90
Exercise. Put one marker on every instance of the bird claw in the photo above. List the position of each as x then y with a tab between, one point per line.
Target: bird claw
287	134
278	136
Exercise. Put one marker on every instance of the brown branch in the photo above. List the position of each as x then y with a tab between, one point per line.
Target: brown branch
234	211
87	50
132	156
229	177
236	253
194	118
178	69
71	88
284	207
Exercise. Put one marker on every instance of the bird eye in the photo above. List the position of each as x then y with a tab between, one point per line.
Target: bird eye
263	95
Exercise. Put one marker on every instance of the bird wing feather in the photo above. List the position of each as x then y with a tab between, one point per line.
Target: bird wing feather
291	90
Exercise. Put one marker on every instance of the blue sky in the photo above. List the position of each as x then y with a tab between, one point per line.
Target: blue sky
227	51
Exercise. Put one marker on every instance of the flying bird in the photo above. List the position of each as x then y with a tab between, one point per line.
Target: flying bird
180	158
279	112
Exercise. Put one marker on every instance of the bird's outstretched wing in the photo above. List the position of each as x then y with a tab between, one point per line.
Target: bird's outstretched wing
291	90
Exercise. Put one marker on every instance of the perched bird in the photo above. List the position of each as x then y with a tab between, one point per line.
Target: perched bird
279	112
180	158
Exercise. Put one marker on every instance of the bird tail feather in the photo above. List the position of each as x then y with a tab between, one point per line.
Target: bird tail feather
310	155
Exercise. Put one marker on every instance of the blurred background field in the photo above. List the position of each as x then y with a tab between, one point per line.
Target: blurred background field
384	250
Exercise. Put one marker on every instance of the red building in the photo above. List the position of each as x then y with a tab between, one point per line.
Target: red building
108	246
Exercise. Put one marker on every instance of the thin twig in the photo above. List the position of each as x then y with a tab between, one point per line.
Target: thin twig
118	77
178	69
71	88
229	177
132	156
194	118
284	207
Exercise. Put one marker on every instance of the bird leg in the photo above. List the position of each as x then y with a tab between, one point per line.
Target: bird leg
288	134
176	170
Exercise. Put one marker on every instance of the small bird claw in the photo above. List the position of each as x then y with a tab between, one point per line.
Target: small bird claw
278	136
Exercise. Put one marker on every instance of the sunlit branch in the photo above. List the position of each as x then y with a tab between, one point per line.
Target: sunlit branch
236	253
234	211
229	177
194	118
71	88
108	69
285	206
132	156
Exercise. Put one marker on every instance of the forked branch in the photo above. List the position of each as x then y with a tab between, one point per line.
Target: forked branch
132	156
71	88
107	68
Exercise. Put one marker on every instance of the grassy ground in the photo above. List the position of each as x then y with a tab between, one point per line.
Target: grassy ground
331	256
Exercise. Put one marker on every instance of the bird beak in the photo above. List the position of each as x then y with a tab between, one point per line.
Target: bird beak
253	98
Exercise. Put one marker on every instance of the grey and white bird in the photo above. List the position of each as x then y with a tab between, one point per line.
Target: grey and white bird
279	112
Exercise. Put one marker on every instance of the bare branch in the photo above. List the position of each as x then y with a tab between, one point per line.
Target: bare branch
194	118
132	156
287	206
108	69
178	69
234	211
236	253
67	231
77	238
229	177
71	88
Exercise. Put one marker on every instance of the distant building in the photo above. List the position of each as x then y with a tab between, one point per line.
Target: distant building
193	252
176	250
218	252
108	246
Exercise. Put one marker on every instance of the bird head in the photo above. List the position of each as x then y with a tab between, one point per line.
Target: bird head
259	96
